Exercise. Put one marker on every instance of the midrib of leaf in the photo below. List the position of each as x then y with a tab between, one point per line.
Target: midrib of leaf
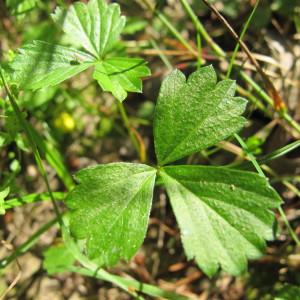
126	206
103	43
214	183
62	56
62	73
86	34
205	117
174	85
208	221
120	73
208	207
116	183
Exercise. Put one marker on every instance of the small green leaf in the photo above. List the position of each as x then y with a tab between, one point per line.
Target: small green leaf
224	214
3	194
110	209
57	259
18	7
193	115
288	292
96	25
120	75
41	64
4	139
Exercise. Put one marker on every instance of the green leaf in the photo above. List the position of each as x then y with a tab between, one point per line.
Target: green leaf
120	75
57	259
4	139
224	214
18	7
110	209
97	25
3	194
41	64
193	115
289	292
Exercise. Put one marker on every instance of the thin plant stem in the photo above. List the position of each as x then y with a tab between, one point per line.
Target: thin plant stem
279	104
239	139
261	173
237	47
284	115
289	227
199	47
161	55
32	198
201	30
32	143
28	244
172	29
140	287
132	134
283	180
221	54
95	271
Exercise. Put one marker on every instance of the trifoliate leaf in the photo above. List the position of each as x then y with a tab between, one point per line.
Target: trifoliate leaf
97	25
41	64
57	259
224	214
3	194
110	209
120	75
195	114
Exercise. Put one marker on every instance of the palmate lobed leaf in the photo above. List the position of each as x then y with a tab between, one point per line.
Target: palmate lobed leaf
41	64
120	75
97	25
110	209
195	114
224	215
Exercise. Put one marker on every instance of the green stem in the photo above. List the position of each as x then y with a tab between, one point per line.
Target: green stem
199	47
284	115
92	269
257	88
260	171
279	152
162	56
220	53
289	227
28	244
240	140
201	30
132	136
15	202
172	29
139	287
32	143
250	155
237	47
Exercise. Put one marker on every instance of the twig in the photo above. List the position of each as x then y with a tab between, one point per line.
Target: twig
133	134
279	104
